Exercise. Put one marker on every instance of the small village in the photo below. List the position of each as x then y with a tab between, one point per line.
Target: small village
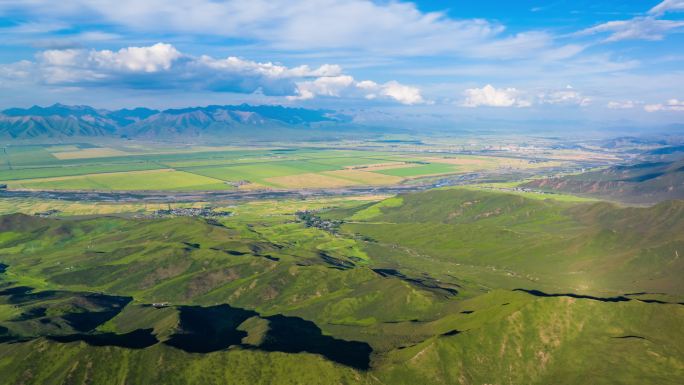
310	219
47	213
203	212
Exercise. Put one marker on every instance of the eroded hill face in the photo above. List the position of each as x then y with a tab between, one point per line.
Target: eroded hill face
649	182
440	287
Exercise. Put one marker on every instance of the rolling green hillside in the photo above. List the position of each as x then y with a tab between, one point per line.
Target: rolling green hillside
515	241
449	286
647	182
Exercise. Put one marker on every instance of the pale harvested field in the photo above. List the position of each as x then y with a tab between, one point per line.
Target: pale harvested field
253	186
382	166
461	161
63	148
309	180
475	163
88	153
365	177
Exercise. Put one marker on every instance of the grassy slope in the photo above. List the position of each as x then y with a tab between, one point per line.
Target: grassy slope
475	241
638	183
507	240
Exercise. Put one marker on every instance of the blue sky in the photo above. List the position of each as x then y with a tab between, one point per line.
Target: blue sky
606	62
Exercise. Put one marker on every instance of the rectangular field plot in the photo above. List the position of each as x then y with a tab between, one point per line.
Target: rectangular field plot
310	180
87	153
260	172
419	170
49	172
28	155
365	177
126	181
344	162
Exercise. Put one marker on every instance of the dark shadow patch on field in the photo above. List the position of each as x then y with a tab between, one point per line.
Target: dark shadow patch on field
5	335
336	263
86	321
451	333
426	282
137	339
24	294
619	298
32	313
641	293
214	328
241	253
538	293
415	320
214	222
209	329
631	337
653	301
17	290
230	252
643	178
468	312
3	268
86	310
6	338
263	247
295	335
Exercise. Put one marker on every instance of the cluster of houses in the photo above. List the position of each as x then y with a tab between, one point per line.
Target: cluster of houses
238	183
522	189
48	213
310	219
203	212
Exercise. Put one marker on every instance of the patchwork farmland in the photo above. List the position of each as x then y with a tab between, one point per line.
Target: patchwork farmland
94	168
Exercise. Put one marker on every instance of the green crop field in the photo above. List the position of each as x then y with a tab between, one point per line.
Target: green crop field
50	172
143	180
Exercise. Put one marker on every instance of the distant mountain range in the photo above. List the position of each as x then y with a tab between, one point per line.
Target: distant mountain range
61	120
646	182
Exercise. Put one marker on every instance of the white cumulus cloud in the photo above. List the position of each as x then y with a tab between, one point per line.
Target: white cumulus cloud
154	58
567	96
146	59
488	96
402	93
622	105
670	105
162	66
346	85
325	86
269	69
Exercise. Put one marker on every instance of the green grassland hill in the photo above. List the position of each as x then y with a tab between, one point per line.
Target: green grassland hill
448	286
